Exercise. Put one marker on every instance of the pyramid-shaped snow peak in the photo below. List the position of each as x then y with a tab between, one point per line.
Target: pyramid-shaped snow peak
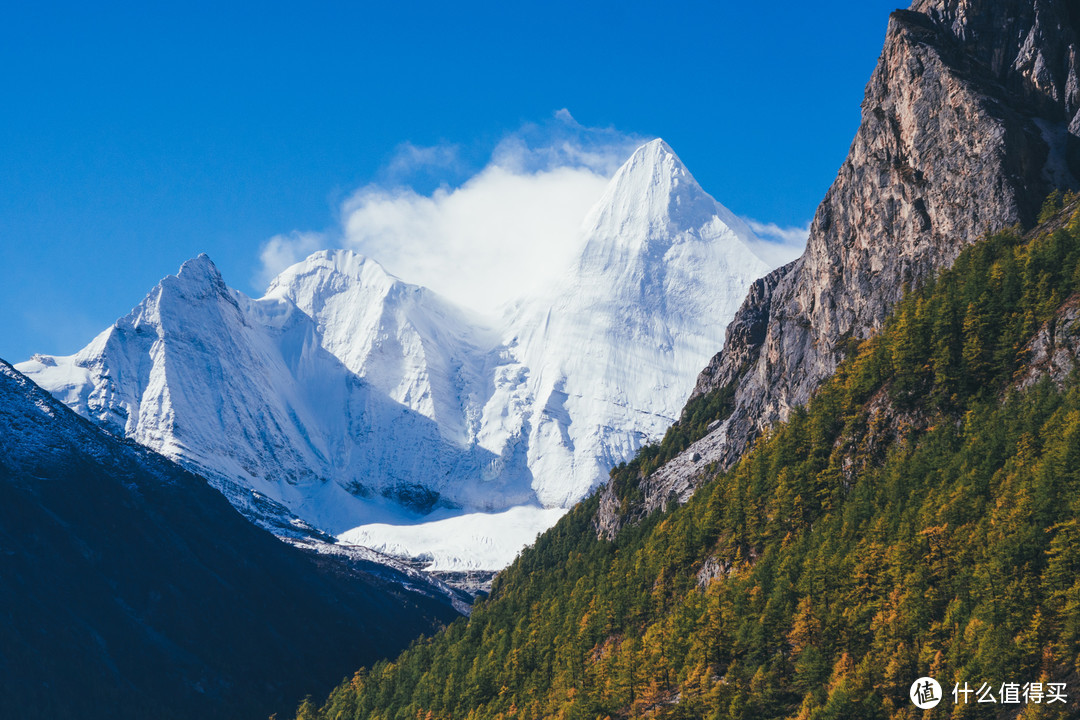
610	354
653	194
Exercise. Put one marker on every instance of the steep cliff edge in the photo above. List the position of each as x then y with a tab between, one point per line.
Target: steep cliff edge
969	120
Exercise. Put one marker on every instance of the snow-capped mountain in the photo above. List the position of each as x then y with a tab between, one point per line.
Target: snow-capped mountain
243	391
346	397
603	359
405	341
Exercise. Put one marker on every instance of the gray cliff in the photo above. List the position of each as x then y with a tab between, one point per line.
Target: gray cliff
969	120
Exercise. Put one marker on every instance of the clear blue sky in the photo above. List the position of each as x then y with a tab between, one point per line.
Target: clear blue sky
134	136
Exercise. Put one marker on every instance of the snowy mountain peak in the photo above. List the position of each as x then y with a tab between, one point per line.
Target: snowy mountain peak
604	353
329	269
654	218
197	280
200	263
315	280
404	340
654	161
651	193
199	270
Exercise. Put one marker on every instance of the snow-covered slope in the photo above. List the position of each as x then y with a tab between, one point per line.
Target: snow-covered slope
243	391
462	543
606	358
345	398
404	340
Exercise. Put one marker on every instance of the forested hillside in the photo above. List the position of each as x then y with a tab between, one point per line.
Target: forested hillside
920	516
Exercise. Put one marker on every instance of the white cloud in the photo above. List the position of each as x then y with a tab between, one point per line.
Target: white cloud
410	159
564	142
507	229
281	251
501	234
778	245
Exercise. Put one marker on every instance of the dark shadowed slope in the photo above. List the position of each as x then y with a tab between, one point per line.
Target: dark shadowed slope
129	588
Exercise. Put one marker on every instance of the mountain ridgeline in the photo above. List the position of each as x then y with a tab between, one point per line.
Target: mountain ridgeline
919	516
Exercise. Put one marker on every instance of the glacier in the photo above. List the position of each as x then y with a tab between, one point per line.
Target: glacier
347	403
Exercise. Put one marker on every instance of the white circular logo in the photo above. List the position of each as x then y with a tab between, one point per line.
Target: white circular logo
925	693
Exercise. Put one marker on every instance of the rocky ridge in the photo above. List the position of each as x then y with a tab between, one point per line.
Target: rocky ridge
970	119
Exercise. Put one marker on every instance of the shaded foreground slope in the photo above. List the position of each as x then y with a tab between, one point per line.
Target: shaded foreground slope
129	588
920	516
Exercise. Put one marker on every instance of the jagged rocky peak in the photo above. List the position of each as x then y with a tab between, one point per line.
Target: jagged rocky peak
968	122
1031	47
944	153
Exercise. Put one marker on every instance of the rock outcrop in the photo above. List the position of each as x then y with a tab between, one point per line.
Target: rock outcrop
1054	352
969	120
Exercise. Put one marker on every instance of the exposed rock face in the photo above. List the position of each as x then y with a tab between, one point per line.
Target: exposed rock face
1055	351
969	120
